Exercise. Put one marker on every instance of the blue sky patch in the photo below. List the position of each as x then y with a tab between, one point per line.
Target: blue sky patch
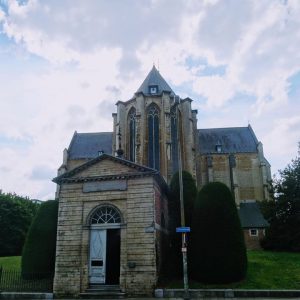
21	143
207	70
294	88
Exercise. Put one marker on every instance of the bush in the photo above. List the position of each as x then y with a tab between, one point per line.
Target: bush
39	249
218	251
16	214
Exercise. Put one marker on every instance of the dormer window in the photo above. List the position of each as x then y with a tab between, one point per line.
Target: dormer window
153	89
219	148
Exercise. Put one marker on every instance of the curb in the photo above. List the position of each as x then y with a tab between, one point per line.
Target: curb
226	293
14	295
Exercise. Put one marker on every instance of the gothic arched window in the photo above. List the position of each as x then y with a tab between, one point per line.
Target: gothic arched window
153	136
174	139
132	133
105	214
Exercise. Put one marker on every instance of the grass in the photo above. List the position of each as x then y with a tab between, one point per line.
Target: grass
266	270
11	262
12	280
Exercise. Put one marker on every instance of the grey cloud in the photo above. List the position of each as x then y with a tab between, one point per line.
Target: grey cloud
77	118
76	110
87	25
106	108
42	172
84	85
223	26
115	91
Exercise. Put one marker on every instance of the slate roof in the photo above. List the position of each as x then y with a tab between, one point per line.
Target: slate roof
251	216
88	145
154	78
232	140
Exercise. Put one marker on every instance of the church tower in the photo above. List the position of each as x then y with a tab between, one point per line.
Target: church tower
147	127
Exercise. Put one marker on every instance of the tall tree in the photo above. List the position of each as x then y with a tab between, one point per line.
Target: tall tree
16	214
284	213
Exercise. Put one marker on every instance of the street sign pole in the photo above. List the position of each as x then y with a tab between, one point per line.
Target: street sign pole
184	244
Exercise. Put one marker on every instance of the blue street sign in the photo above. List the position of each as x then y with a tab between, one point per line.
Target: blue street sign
183	229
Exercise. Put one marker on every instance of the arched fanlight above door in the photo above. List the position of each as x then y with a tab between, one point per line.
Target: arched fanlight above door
105	214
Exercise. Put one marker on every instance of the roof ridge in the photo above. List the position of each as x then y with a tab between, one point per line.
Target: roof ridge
94	132
214	128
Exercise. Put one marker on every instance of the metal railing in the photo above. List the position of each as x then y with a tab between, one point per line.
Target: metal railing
15	281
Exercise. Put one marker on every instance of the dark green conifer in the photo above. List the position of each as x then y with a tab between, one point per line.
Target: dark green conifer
38	255
218	248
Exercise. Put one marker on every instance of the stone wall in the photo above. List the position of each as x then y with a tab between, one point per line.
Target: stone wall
245	177
164	103
138	273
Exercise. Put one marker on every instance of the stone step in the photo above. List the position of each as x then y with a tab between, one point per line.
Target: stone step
101	287
102	295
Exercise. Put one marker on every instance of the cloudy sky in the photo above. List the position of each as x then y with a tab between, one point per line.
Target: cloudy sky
65	63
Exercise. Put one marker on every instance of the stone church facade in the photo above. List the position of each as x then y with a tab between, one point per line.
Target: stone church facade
112	188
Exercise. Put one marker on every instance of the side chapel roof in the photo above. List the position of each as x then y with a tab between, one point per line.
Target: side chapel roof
88	145
231	140
251	216
154	79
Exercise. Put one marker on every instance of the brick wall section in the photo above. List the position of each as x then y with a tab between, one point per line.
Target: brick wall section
137	208
253	242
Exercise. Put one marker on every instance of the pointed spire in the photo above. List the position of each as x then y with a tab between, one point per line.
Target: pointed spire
154	83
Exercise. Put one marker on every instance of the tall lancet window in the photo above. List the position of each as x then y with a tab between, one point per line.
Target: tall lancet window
153	136
132	133
174	139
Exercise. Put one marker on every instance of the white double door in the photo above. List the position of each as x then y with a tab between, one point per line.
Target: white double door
97	270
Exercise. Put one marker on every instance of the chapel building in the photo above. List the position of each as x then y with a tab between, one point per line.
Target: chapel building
113	186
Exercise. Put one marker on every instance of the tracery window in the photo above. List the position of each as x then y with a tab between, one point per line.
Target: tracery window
132	133
153	136
105	214
174	140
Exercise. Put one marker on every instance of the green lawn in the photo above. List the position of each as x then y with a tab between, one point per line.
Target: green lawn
266	270
11	262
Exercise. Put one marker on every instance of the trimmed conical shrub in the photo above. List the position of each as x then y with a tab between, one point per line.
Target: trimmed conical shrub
189	197
38	255
218	249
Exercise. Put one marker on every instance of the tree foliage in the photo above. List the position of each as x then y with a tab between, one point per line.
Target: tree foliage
189	197
39	250
283	214
16	214
217	246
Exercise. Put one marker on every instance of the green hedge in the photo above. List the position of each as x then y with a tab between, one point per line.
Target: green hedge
39	250
218	251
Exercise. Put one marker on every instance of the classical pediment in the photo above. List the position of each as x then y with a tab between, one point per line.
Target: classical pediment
105	167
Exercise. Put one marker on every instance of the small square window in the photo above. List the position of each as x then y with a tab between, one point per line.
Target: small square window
219	148
153	89
253	232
